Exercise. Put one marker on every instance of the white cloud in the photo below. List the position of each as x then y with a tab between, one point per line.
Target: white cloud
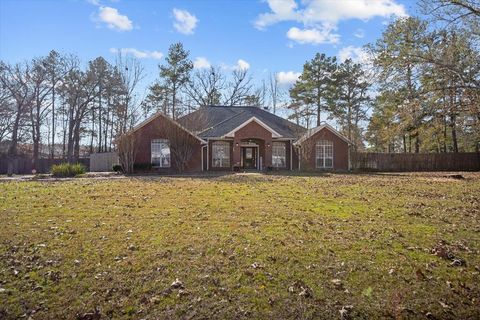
114	19
324	15
357	54
287	78
138	53
94	2
242	65
360	33
313	36
201	63
185	22
282	10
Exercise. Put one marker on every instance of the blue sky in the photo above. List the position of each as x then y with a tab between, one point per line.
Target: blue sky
264	36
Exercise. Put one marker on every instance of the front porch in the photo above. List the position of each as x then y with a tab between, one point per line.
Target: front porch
250	154
251	146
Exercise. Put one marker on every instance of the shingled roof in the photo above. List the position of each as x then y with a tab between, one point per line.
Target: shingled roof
217	121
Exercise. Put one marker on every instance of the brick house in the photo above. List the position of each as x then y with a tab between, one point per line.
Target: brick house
222	138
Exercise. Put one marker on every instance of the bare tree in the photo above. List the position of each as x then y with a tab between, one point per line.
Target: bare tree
57	67
205	87
131	73
182	146
15	79
274	91
458	13
7	111
305	148
181	141
39	81
78	90
240	87
127	151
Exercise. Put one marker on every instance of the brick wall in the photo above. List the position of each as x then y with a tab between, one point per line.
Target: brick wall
158	128
340	150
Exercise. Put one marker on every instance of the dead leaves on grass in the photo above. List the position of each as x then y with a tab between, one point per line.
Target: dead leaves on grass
445	251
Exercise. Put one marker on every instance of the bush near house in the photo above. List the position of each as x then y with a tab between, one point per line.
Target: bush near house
142	167
64	170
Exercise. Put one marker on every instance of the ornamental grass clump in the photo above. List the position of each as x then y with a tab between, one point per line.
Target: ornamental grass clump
64	170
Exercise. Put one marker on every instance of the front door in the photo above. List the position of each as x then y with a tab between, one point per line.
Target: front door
249	157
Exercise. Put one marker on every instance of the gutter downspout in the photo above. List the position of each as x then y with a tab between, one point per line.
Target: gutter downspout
349	162
291	154
202	157
208	142
298	157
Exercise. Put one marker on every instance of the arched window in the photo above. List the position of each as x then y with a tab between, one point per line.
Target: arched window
221	154
160	149
324	154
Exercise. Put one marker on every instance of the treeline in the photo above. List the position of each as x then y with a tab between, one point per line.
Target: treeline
181	89
57	106
417	89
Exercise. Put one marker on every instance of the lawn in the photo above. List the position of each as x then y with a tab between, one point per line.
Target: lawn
241	246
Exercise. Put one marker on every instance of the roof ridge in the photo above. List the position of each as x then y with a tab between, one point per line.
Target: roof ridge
225	120
286	121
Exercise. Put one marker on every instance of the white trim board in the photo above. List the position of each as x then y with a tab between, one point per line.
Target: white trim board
313	131
161	114
275	134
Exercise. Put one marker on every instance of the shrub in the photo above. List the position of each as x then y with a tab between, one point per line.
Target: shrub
142	167
117	168
67	169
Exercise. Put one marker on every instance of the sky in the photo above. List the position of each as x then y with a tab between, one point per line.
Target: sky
264	36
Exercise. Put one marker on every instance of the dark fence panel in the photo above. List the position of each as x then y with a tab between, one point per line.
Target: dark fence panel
24	164
415	161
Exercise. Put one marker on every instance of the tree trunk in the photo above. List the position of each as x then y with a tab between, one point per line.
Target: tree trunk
100	120
409	143
76	150
174	98
453	126
12	149
52	151
36	141
93	130
445	134
417	142
71	127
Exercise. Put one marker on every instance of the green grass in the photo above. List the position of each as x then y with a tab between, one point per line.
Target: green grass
243	246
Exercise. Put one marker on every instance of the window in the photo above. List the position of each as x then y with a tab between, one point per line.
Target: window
324	154
279	154
160	149
221	154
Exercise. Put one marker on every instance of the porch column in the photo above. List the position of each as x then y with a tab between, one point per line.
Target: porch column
236	151
267	162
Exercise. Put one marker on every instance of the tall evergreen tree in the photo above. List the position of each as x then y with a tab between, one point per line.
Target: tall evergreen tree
350	100
396	56
314	87
175	75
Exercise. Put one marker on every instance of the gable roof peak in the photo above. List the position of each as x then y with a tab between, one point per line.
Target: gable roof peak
275	134
309	133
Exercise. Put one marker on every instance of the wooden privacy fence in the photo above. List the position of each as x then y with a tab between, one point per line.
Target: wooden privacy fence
24	164
103	161
364	161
